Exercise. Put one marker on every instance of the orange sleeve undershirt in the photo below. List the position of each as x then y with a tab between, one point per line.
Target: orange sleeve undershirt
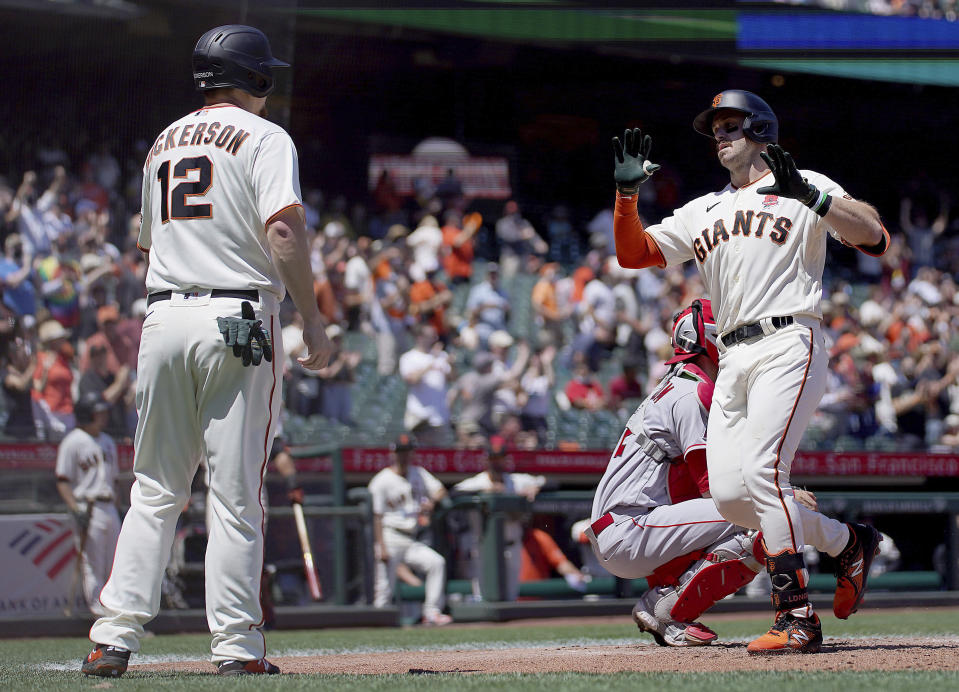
634	248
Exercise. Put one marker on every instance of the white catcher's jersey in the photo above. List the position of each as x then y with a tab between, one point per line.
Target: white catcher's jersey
89	464
673	417
211	184
760	255
398	498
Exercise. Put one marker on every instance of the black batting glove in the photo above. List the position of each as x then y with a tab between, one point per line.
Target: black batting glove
246	336
81	518
788	183
631	161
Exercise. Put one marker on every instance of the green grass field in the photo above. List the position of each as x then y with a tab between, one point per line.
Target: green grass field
52	663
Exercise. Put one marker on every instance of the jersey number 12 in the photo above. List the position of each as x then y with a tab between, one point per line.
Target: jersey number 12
174	206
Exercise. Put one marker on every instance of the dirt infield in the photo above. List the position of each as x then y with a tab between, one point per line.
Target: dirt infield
838	654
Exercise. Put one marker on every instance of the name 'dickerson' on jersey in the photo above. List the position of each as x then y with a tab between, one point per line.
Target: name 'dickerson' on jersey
747	224
229	138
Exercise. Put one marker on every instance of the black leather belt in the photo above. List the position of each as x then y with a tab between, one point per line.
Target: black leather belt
748	331
251	294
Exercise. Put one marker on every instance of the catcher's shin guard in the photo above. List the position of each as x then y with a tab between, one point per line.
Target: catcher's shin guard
727	567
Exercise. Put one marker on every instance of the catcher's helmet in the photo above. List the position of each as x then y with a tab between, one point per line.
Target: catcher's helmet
760	124
235	56
87	406
694	333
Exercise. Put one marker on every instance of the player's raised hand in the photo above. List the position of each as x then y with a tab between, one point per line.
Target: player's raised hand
632	166
318	345
788	181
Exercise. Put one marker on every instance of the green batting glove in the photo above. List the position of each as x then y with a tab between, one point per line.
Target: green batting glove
632	166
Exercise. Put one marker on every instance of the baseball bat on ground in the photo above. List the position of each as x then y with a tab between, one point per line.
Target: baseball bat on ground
312	579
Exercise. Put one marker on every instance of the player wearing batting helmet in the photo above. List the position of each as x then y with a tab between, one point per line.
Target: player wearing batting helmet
760	247
224	226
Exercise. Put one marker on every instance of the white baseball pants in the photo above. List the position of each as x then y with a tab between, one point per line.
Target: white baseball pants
98	551
402	548
766	392
195	399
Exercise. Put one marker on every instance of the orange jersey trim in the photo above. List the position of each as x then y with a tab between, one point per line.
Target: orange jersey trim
751	182
635	249
143	249
884	241
280	211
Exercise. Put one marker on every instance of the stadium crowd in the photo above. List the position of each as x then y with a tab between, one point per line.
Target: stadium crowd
491	321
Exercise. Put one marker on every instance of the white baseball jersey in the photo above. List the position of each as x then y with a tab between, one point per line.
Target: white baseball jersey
673	418
212	182
398	498
513	483
213	212
760	255
89	464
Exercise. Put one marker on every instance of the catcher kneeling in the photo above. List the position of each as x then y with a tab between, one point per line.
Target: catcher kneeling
652	515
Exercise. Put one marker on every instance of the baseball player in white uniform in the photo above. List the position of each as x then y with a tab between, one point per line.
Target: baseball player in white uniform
86	480
403	496
652	516
760	246
496	479
224	228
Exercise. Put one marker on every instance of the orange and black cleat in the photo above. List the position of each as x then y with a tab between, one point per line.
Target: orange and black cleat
852	569
789	635
258	667
106	661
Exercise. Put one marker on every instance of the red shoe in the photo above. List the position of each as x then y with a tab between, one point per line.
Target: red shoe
106	661
789	635
259	667
852	569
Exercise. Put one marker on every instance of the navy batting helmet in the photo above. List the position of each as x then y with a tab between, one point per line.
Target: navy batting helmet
760	124
87	406
235	56
694	333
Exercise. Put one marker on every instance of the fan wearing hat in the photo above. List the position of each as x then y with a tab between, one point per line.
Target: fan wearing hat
53	378
497	478
403	496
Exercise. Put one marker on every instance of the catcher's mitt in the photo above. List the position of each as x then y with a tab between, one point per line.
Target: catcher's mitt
806	499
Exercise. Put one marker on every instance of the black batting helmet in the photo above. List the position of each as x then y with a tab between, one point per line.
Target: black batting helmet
87	406
760	124
235	56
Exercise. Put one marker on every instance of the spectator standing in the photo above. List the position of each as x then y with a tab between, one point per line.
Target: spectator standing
426	370
16	276
488	305
425	242
18	368
920	232
428	301
403	496
116	388
626	385
537	383
53	380
550	317
517	238
458	247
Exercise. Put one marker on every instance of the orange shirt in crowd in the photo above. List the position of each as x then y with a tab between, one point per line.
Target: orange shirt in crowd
422	291
541	556
326	300
544	295
57	392
458	261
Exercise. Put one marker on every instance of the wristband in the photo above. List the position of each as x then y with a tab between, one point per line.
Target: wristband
818	201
